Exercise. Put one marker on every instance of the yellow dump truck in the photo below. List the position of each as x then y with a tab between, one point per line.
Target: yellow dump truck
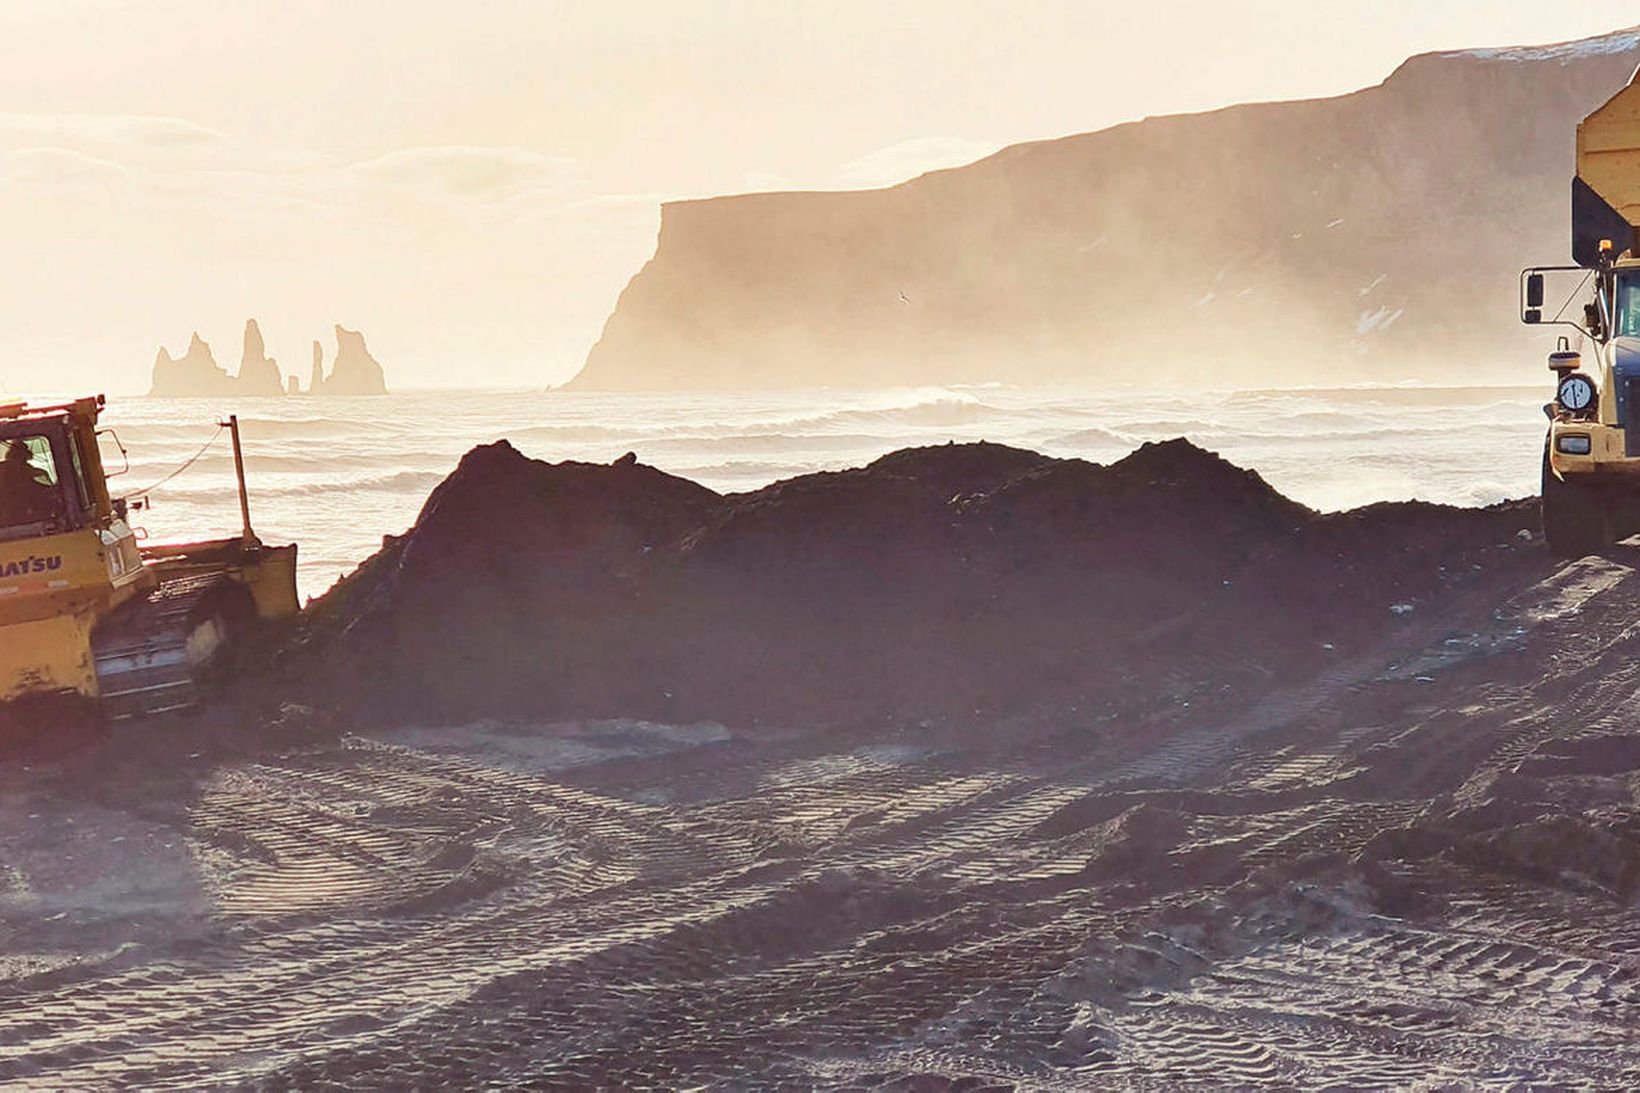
1591	457
84	609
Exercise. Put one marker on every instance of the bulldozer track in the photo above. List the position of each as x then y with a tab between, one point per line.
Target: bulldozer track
146	653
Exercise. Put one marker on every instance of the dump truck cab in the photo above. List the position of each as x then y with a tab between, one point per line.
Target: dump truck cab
1591	455
1594	422
84	608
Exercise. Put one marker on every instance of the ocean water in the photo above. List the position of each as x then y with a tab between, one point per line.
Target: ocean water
337	474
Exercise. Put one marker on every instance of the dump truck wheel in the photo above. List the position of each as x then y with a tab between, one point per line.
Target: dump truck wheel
1576	518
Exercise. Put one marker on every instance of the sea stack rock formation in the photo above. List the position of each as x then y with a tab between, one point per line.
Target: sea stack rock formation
258	372
194	373
1373	229
355	372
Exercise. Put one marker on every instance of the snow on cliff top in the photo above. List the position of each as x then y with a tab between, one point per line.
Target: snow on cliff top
1604	45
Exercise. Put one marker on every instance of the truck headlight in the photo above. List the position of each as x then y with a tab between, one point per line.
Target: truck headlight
1575	393
1572	444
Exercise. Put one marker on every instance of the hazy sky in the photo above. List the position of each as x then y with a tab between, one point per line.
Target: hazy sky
472	184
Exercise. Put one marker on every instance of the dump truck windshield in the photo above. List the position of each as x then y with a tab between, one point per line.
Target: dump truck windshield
29	492
1628	304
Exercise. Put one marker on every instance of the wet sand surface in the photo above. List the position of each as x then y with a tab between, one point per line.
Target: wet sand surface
1417	864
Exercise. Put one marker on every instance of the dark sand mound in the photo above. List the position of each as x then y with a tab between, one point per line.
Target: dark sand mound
957	581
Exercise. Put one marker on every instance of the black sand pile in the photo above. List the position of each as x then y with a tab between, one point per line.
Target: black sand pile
962	581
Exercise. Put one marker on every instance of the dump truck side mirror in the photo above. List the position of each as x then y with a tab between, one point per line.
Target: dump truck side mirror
1533	289
1534	292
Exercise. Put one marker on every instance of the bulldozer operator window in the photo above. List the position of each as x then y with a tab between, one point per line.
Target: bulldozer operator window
1628	306
29	489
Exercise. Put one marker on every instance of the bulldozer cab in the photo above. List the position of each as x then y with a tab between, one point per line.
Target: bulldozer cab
50	473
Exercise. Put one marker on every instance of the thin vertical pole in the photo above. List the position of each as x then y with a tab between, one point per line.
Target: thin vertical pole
239	472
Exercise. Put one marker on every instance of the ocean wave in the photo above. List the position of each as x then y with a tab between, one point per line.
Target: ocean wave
256	428
908	404
582	431
1084	438
742	471
1480	493
761	442
131	433
319	428
396	482
1401	394
937	414
1167	427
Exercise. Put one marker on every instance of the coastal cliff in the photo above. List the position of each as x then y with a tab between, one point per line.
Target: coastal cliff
1375	235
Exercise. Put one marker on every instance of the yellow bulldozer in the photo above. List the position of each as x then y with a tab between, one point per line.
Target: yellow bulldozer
84	608
1591	456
